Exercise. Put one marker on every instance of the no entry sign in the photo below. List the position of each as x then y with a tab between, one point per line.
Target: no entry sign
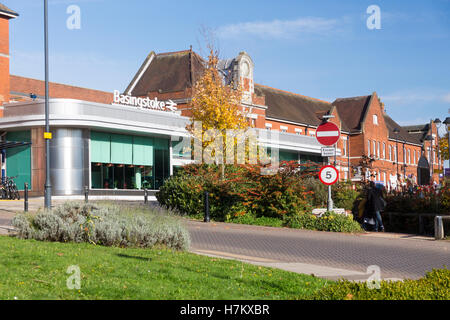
328	134
329	175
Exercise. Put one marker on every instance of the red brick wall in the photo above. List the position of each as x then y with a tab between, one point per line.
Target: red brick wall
4	62
56	90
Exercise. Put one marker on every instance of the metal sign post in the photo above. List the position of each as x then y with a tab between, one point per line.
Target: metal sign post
328	134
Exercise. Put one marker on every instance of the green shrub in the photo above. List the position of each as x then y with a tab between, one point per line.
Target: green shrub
434	286
344	196
108	225
243	190
327	222
182	193
319	192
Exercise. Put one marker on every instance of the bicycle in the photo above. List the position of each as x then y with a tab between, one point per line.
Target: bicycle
9	189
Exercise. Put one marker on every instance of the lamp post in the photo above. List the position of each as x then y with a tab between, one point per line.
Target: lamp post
447	127
430	138
396	131
47	136
438	124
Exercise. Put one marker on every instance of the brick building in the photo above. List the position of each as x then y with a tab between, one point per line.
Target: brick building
367	130
115	146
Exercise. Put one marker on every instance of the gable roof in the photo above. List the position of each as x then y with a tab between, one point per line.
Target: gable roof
403	134
352	111
180	70
4	10
293	107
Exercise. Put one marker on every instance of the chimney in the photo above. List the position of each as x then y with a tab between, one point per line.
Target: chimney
6	14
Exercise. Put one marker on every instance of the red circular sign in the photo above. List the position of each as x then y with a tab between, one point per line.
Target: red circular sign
329	175
328	134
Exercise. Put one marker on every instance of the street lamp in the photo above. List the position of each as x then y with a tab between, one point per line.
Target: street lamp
438	124
447	127
430	138
47	135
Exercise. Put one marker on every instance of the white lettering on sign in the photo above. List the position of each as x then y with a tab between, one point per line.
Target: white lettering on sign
144	103
328	134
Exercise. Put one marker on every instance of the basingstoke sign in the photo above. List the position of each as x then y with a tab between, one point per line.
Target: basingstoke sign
144	103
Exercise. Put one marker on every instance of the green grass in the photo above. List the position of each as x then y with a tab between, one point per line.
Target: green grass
37	270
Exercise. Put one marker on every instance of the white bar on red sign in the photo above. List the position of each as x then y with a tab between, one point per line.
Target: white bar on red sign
328	133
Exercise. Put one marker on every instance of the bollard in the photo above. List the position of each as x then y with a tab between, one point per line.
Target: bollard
438	228
86	194
145	196
207	219
25	197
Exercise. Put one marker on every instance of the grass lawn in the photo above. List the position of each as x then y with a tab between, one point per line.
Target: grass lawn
37	270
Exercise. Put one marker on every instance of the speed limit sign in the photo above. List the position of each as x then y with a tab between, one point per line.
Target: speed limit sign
329	175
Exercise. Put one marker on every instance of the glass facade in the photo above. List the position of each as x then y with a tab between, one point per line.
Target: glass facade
127	162
18	160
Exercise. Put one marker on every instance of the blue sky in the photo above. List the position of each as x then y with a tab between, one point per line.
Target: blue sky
322	49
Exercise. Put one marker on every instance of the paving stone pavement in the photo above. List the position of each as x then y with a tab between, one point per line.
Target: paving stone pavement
398	256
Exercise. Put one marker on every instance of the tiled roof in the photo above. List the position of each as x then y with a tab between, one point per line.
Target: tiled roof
403	134
168	72
5	9
352	111
293	107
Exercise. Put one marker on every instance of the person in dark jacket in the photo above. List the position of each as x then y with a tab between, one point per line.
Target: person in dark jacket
375	204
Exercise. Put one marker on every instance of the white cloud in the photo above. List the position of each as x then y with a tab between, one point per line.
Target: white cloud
280	29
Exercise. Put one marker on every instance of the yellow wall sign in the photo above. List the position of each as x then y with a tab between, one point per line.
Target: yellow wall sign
48	135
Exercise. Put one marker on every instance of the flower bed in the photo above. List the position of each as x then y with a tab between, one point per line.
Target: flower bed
244	195
108	225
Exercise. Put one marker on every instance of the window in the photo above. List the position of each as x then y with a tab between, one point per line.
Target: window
374	148
283	129
268	126
368	148
390	153
414	156
375	119
384	150
404	155
312	133
298	131
395	153
378	149
409	156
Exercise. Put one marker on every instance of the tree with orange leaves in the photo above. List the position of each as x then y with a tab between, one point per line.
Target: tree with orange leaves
217	107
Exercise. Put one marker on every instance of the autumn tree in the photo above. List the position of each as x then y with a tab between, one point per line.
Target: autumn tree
443	147
216	109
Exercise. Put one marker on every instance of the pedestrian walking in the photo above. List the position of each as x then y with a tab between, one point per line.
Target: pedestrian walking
375	205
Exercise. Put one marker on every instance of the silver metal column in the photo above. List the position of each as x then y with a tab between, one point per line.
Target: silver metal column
69	161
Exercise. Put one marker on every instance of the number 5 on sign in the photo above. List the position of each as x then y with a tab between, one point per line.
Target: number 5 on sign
329	175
